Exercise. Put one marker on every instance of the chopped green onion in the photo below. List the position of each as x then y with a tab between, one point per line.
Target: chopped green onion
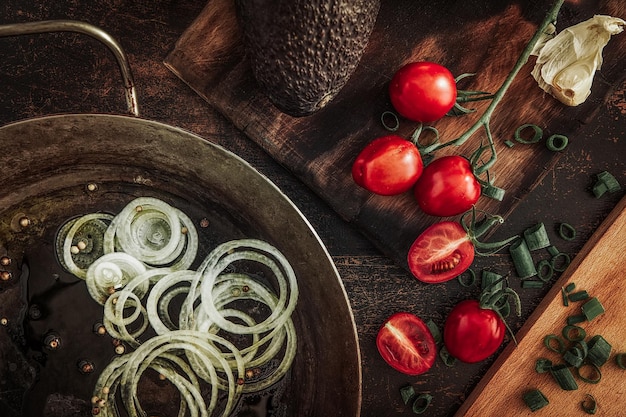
421	403
589	373
563	376
592	308
536	237
564	297
562	266
605	182
570	287
545	271
573	333
509	143
522	259
493	192
548	342
578	296
491	281
535	400
552	250
589	404
408	393
538	132
620	360
394	118
447	359
531	284
567	231
599	350
543	365
579	318
470	282
557	142
434	330
574	356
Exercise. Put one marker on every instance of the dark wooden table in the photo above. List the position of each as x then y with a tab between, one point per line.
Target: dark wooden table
70	73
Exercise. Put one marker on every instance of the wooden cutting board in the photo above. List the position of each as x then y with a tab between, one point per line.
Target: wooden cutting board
599	269
472	36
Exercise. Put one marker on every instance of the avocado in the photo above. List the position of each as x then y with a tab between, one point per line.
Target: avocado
302	52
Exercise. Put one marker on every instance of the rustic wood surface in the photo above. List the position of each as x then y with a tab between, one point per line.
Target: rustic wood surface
67	73
471	37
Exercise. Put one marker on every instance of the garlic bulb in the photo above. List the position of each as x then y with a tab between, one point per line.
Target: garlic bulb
567	62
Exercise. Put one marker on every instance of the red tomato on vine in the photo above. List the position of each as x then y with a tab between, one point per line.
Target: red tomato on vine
423	91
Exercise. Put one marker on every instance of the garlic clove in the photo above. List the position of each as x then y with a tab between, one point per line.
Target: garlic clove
566	64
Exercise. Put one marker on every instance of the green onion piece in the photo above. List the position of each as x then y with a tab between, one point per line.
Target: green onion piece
606	182
573	333
421	403
545	271
570	287
599	188
470	282
548	342
491	281
394	118
557	142
592	308
578	295
567	231
564	297
532	284
579	318
434	330
589	373
620	360
535	400
610	181
589	404
599	350
522	259
560	266
543	365
536	237
493	192
563	376
447	359
552	250
509	143
538	132
408	393
574	357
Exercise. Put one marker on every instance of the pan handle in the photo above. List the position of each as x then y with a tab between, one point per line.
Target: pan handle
47	26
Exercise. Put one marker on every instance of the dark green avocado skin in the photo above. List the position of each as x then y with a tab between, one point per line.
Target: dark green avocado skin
303	52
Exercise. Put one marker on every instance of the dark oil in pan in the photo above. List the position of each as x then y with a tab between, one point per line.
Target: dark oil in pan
50	352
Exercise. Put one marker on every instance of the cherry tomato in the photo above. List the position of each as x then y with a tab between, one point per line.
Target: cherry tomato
471	333
442	252
388	165
423	91
447	187
405	342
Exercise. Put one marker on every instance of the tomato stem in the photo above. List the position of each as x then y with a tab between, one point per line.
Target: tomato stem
476	229
491	299
484	120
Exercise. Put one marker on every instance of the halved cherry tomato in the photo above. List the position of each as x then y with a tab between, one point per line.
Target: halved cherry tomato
442	252
447	187
388	165
405	342
423	91
471	333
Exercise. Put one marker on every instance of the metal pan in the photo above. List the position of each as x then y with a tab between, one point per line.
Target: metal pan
67	165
